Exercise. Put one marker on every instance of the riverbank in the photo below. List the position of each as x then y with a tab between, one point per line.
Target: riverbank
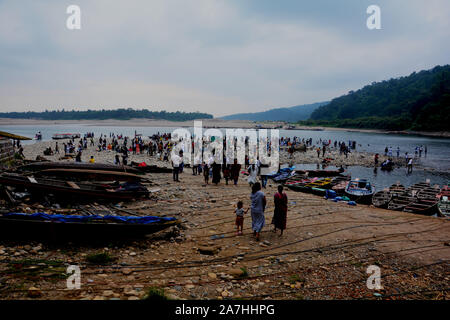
323	254
354	158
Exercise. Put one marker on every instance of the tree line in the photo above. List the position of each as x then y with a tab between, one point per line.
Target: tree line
117	114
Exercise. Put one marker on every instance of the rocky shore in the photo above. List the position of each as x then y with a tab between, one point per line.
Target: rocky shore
354	158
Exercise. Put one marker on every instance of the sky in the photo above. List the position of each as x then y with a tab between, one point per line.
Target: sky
219	57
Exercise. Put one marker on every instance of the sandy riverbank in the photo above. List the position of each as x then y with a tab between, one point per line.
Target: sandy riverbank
323	254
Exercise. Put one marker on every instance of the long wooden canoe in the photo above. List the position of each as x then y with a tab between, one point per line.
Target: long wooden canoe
39	166
79	228
68	189
91	175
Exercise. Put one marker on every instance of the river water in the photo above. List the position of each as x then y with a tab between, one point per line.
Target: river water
436	163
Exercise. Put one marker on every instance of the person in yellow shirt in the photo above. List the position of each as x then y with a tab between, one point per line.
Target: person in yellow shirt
92	160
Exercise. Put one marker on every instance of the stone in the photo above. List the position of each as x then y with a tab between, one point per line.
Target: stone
212	275
34	292
127	271
132	254
133	298
108	293
190	286
236	272
208	250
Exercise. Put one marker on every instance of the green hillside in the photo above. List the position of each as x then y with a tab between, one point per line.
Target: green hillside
420	101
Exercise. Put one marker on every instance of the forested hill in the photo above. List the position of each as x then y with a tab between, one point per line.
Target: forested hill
420	101
291	114
118	114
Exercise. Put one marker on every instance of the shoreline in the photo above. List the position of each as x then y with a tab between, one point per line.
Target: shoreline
211	123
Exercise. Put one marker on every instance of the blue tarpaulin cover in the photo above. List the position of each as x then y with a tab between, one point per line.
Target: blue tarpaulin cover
74	218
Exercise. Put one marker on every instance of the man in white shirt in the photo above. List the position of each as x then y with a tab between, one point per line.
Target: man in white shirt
176	160
410	164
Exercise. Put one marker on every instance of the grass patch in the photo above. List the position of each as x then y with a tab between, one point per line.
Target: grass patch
244	273
155	294
37	268
100	258
357	264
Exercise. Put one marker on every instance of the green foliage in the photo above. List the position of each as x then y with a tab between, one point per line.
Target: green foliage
155	294
420	101
100	258
244	273
118	114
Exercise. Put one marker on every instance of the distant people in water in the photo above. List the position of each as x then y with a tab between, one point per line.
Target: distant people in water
410	165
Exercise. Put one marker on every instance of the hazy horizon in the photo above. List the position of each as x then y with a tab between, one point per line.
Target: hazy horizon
218	57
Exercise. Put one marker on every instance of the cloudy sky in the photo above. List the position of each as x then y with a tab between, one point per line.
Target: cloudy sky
220	57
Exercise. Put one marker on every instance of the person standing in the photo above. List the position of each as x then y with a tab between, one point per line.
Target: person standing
206	172
176	166
78	156
235	170
258	205
216	168
252	173
280	212
410	165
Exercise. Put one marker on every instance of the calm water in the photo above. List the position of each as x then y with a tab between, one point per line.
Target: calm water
383	179
438	156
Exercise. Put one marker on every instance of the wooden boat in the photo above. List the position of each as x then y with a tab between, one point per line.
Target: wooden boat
422	206
429	193
298	180
399	200
61	136
360	190
40	226
318	191
443	205
381	199
39	166
397	187
321	173
150	168
89	175
415	188
68	189
301	186
320	183
339	183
